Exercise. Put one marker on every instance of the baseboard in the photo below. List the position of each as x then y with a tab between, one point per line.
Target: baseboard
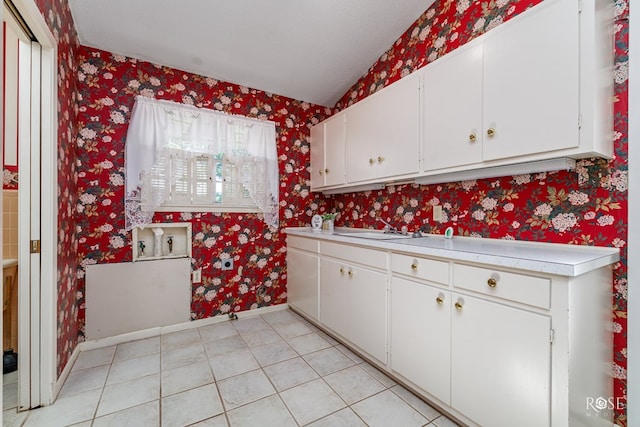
154	332
65	372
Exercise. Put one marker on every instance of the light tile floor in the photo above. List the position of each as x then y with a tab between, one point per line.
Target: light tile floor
270	370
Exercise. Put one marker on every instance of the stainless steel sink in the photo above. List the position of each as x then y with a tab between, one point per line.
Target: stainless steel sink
373	235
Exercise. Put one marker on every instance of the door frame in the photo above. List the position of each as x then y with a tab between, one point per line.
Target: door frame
633	248
38	365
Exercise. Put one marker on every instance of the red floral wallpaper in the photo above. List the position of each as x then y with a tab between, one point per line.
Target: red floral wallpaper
587	208
9	177
108	84
58	18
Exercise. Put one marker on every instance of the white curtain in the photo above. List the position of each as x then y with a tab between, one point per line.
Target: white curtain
160	129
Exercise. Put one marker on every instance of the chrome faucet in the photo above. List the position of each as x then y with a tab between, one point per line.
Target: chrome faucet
388	228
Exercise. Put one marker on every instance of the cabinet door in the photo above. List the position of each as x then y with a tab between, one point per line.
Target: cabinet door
531	82
452	113
334	155
396	124
334	306
302	281
361	140
421	336
368	294
353	304
382	133
500	364
317	156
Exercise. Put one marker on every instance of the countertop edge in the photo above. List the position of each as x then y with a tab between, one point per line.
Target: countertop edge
598	256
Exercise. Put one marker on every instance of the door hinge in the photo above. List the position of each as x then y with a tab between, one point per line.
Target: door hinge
579	6
552	335
579	121
35	246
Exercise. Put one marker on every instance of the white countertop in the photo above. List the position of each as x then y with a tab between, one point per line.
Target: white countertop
551	258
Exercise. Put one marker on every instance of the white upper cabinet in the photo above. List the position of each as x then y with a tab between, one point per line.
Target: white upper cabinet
317	156
382	133
531	83
537	87
343	281
453	109
328	152
363	141
334	134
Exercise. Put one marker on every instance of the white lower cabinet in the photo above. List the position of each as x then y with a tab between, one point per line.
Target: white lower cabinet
489	361
500	363
354	304
491	345
302	275
421	336
334	290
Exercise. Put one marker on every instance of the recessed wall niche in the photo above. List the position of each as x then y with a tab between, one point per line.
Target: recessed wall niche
158	241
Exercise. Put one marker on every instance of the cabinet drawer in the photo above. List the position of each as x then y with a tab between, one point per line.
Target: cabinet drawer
535	291
370	257
310	245
421	268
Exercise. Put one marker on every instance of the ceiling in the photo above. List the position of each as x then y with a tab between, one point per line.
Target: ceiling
310	50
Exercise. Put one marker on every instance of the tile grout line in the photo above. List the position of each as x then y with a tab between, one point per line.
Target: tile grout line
348	406
160	399
356	363
333	344
306	382
301	356
215	382
311	367
261	367
104	385
277	392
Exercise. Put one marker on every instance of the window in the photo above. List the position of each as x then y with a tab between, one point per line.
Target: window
206	182
182	158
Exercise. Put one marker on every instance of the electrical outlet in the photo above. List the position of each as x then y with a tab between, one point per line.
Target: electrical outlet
227	264
437	213
196	276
